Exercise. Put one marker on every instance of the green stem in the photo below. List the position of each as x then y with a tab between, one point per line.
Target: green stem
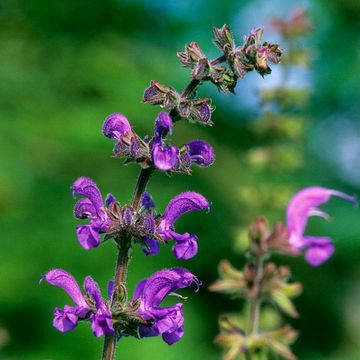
255	300
122	262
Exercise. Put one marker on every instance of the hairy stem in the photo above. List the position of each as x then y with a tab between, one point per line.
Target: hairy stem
124	246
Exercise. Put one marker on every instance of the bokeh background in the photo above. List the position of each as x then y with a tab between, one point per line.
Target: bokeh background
65	65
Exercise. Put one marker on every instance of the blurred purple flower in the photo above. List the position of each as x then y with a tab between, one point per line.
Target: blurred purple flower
96	311
166	321
303	205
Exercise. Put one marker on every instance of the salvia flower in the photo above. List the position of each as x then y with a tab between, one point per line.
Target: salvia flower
164	157
173	158
165	321
303	205
186	244
91	307
90	207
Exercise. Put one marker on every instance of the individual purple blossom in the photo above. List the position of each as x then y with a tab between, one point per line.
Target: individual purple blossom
201	152
303	205
186	244
164	157
166	321
116	126
90	207
96	311
147	201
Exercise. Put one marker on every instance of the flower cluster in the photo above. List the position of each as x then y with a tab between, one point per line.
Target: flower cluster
145	308
153	151
139	222
143	226
252	55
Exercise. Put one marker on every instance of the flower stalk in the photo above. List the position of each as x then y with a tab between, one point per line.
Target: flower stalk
139	223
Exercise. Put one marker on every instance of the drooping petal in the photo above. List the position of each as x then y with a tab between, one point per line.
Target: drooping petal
86	187
172	337
84	209
65	319
186	246
115	126
181	204
319	250
152	246
101	323
63	279
167	319
147	201
162	283
302	205
88	237
163	125
165	158
201	153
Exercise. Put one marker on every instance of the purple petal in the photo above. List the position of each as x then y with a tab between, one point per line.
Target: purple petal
201	153
319	250
152	246
93	291
63	279
109	200
88	237
165	158
84	209
101	324
147	201
110	289
86	187
139	289
173	337
65	320
162	283
181	204
304	204
186	246
116	126
163	125
167	319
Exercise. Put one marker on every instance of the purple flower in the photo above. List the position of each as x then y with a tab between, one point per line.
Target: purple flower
67	319
91	207
303	205
116	126
164	157
147	201
166	321
186	244
201	153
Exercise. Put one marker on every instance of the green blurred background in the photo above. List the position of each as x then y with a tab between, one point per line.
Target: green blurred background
65	65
